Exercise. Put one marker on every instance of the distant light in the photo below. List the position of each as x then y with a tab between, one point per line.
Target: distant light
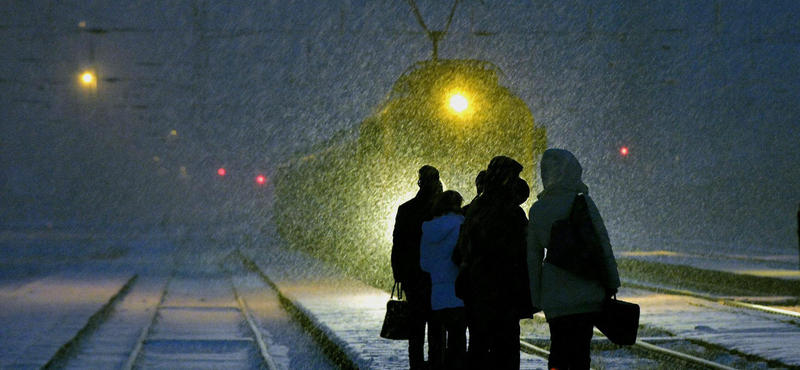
261	179
459	103
157	158
173	133
623	150
87	78
221	171
82	24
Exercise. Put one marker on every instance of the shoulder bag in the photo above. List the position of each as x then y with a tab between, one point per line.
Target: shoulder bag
574	245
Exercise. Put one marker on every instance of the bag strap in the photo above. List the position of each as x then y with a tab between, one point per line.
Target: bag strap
399	291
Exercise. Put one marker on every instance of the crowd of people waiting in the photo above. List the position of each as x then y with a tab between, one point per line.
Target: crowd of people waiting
482	267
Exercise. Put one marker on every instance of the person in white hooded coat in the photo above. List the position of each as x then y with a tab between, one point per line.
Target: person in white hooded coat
569	302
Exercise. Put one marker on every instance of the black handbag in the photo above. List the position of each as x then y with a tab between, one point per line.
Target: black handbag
574	245
398	316
619	321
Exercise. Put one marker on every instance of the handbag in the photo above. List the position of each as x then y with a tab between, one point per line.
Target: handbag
574	245
398	316
619	321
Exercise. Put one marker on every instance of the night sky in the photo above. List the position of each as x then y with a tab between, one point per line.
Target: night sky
704	94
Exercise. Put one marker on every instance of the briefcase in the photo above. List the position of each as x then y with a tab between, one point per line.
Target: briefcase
619	321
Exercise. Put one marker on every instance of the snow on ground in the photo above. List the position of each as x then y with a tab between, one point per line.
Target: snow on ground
199	324
751	332
42	315
778	265
52	283
348	311
43	307
110	345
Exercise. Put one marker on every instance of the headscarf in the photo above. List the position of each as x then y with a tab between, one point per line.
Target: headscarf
561	173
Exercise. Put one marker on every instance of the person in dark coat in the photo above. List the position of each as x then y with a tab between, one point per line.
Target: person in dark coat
494	235
406	269
570	302
439	237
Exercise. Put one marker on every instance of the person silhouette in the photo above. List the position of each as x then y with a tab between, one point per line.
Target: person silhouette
494	244
439	237
570	302
406	268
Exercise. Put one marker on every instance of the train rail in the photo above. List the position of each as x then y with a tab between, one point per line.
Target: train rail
254	336
653	349
712	298
641	346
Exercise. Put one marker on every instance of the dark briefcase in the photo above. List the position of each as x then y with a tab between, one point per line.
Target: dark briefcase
398	316
619	321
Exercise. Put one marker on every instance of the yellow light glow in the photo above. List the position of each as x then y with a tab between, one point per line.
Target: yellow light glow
459	103
87	77
173	133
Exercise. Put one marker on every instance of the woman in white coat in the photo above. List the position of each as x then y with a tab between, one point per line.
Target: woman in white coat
569	302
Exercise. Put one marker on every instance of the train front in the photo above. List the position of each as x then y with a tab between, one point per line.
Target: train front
451	114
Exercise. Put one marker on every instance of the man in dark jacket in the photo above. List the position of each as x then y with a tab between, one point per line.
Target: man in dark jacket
495	233
406	269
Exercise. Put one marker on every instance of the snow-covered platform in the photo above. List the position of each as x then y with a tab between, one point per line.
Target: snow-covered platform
348	312
42	315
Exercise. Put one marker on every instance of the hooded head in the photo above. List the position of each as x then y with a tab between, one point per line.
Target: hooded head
501	174
561	172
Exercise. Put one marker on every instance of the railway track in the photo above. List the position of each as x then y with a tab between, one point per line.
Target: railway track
642	347
189	326
716	299
667	348
653	350
201	316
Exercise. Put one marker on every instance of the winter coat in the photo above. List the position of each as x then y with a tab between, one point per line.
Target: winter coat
556	291
406	238
496	259
494	240
439	237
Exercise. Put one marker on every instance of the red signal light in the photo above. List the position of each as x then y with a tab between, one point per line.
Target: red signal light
624	150
221	171
261	179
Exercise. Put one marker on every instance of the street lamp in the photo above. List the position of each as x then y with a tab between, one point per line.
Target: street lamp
88	79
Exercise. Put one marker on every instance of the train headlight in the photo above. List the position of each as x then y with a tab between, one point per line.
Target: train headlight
87	78
458	103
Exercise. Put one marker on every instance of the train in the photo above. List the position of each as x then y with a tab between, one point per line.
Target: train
338	201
